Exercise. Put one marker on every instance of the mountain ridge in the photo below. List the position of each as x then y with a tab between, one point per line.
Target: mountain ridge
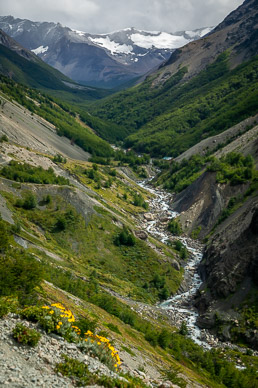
122	55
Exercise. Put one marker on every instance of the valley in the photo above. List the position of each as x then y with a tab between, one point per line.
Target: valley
129	219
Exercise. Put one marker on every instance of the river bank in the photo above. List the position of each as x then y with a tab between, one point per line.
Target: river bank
180	307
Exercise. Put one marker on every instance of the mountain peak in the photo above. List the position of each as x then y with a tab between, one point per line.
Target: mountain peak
121	56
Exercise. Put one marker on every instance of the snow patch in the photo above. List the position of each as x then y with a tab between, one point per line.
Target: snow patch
40	50
198	33
80	33
161	41
113	47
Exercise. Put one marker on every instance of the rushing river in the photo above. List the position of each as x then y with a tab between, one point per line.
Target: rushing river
180	307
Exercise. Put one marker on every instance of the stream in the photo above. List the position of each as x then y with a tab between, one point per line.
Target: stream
179	307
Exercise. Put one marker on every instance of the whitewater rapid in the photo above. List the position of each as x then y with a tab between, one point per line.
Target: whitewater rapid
180	306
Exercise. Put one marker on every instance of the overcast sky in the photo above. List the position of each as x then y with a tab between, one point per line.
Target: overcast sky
101	16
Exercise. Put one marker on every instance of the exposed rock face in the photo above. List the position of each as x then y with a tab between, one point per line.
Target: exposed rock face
230	272
232	254
201	203
237	33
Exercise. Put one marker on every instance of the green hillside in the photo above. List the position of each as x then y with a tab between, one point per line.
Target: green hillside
168	119
37	74
58	113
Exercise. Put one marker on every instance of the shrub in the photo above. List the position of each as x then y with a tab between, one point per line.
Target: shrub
138	200
101	347
125	237
25	335
56	318
30	202
4	308
3	138
4	237
24	172
85	324
19	274
80	373
113	328
32	313
174	227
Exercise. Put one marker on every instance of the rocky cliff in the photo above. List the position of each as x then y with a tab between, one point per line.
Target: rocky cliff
230	272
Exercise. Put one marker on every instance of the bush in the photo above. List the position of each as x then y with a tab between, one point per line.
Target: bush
4	236
174	227
81	375
32	313
85	324
101	347
4	308
113	328
3	138
19	274
56	318
26	336
24	172
138	200
125	237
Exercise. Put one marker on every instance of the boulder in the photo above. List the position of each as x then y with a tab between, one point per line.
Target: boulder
141	234
175	265
149	217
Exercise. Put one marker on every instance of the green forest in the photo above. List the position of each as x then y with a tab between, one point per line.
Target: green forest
166	120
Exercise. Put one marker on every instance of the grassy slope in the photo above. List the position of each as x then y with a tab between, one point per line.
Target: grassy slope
62	115
168	119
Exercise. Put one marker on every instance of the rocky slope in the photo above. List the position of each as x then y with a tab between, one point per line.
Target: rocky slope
237	33
230	273
105	60
201	203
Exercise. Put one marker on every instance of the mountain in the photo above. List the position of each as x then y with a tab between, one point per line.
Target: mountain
204	88
106	60
23	66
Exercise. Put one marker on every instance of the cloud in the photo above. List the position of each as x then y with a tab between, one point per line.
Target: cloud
109	15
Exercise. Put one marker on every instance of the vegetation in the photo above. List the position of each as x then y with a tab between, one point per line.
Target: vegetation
26	336
24	172
234	168
79	372
61	115
180	175
125	237
174	227
168	119
37	74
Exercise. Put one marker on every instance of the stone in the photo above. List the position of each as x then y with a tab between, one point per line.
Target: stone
149	217
175	265
141	234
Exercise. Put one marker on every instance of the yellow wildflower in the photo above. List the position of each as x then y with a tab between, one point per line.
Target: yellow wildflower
58	327
51	312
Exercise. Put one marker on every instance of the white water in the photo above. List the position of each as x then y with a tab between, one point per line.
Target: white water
180	306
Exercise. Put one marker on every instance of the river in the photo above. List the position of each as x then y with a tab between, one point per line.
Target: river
179	307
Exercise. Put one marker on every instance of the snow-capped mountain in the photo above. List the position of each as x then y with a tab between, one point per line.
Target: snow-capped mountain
105	60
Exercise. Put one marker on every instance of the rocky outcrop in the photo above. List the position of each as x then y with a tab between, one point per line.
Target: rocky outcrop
230	272
237	33
201	203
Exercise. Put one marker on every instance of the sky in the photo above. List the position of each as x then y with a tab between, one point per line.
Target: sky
100	16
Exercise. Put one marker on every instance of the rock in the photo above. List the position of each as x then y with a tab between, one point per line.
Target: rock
175	265
149	217
141	234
